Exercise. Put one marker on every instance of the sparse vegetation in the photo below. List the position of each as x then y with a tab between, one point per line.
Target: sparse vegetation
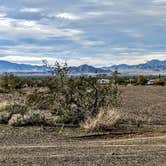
63	99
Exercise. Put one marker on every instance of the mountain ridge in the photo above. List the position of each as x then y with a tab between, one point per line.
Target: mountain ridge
152	65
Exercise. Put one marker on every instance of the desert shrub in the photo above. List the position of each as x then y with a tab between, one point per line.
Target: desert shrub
121	81
2	90
15	108
141	80
76	99
4	117
71	116
39	100
73	99
16	120
159	82
8	110
9	82
104	120
33	118
36	118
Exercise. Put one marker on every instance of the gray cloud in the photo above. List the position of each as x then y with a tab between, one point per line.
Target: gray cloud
84	30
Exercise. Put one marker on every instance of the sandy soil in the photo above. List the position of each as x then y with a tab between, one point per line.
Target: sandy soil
47	149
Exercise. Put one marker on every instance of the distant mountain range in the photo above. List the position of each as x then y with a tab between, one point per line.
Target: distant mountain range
87	69
155	65
6	66
150	67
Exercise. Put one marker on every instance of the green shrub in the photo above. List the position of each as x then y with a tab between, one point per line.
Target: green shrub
78	98
73	99
71	117
36	118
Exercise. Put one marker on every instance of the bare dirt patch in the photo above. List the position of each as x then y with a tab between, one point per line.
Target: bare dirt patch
144	104
48	149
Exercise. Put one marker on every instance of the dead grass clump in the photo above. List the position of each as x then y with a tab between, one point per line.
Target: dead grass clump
104	120
3	105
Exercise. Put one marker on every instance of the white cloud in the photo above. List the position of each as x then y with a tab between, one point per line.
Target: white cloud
96	13
38	60
159	1
102	60
27	59
14	28
128	58
2	14
79	16
31	50
90	43
68	16
101	2
31	10
154	12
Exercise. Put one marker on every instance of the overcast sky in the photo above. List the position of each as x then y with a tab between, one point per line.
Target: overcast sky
96	32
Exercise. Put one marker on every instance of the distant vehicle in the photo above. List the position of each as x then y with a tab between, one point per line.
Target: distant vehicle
151	82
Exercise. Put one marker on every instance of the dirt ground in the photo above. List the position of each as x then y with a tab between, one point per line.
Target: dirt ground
47	149
144	104
44	147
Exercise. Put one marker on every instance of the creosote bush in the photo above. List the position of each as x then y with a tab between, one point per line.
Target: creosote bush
73	99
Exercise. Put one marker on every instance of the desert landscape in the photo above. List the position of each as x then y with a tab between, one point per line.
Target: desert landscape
139	138
82	83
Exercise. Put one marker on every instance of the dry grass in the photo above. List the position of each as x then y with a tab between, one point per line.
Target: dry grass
3	105
105	119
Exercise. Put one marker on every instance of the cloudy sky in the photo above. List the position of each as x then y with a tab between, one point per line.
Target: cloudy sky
96	32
